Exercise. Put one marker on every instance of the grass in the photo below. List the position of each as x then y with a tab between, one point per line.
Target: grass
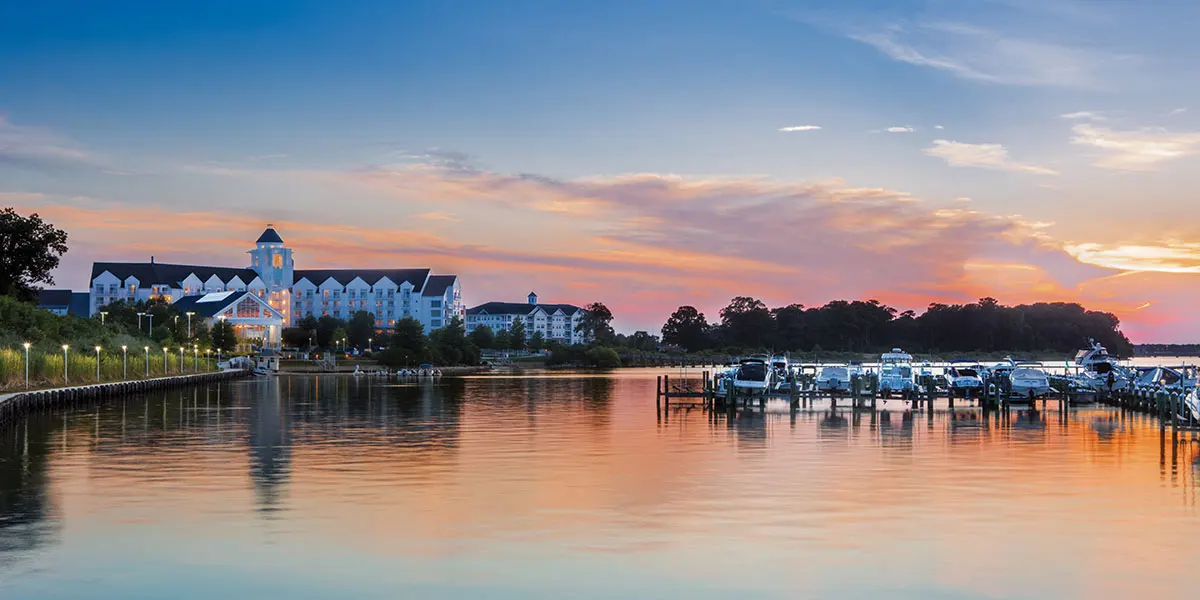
46	368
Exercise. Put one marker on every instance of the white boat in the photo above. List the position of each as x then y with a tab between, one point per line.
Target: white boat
896	373
1099	371
1028	380
753	375
1166	377
781	373
834	378
964	378
1192	402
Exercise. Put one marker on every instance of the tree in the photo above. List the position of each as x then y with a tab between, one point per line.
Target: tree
746	322
326	326
336	337
502	340
483	337
687	328
408	344
224	339
451	344
595	325
537	341
295	337
30	249
516	335
361	329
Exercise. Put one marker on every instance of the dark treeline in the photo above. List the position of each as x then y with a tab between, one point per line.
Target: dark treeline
1167	349
870	326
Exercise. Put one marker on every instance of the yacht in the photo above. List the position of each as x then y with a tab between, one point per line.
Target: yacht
895	373
1192	402
752	375
781	373
1166	377
1098	370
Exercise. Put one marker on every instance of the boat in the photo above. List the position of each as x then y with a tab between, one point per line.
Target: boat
752	375
1028	380
781	373
834	378
964	378
896	373
1166	378
1098	371
1192	402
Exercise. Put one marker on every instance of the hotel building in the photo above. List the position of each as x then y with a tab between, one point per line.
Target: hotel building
557	322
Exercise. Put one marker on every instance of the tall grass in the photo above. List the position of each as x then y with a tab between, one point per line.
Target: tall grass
46	368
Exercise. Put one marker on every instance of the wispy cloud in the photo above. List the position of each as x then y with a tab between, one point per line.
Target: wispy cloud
986	156
438	216
939	127
1138	149
899	130
984	55
800	128
28	146
1178	111
1084	115
1166	258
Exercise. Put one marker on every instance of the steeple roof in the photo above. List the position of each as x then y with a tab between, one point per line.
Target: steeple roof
269	237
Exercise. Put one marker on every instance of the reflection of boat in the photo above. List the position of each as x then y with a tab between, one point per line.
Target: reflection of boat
895	373
1028	380
964	378
834	378
752	374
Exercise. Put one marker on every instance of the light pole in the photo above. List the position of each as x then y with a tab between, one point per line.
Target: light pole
124	362
147	349
65	348
195	358
189	316
140	315
369	340
97	364
165	362
151	328
181	360
103	314
26	344
207	359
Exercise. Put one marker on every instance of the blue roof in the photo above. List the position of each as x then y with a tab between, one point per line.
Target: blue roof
269	237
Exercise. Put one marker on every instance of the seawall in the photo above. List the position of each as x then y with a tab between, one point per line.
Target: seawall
16	405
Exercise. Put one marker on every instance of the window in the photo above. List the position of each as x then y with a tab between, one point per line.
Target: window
435	303
435	323
112	289
133	288
277	261
435	313
247	308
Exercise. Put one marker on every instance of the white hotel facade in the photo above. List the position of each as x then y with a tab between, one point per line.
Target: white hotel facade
388	294
558	322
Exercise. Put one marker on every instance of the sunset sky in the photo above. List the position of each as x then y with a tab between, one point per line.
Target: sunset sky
645	154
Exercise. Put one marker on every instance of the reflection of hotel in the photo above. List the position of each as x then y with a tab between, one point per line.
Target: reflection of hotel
388	294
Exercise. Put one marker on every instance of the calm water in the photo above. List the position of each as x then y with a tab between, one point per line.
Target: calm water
569	486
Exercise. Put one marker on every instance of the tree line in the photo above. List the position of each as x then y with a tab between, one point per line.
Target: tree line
870	326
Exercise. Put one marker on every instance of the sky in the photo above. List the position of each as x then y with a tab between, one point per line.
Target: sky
645	154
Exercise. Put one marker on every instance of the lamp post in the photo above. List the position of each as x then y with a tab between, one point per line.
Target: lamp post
369	340
147	349
103	314
196	358
140	315
97	364
65	348
151	328
124	362
26	344
165	362
181	360
189	316
207	359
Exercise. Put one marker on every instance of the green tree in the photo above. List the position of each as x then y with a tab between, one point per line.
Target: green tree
452	344
688	329
503	341
746	322
483	337
537	341
224	339
408	344
361	329
326	326
336	337
516	335
596	324
30	249
295	337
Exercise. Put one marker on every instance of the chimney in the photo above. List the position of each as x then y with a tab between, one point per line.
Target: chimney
151	260
532	298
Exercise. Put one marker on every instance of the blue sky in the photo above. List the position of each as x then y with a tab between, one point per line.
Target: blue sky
1068	120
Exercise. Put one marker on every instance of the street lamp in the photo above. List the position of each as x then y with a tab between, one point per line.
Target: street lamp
103	314
97	364
369	340
165	362
181	360
26	344
147	349
189	316
207	359
151	328
196	358
124	362
65	348
140	315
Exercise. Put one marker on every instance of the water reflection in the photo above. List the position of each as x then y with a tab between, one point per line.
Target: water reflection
568	485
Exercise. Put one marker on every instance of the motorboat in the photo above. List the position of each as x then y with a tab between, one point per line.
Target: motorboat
834	378
1192	402
1166	378
1028	380
781	373
964	378
752	375
1098	370
896	373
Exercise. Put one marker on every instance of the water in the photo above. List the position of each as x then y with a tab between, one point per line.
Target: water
570	486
